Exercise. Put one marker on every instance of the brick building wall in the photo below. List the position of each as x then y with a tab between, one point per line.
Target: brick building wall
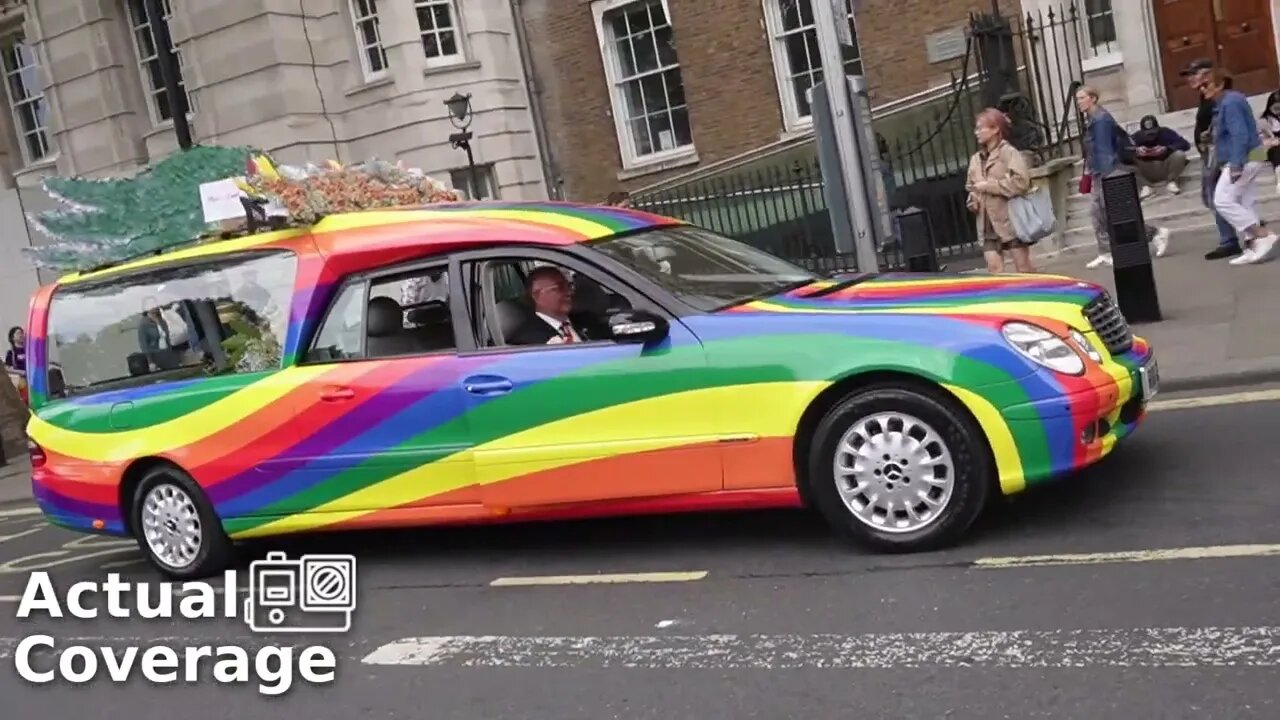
727	66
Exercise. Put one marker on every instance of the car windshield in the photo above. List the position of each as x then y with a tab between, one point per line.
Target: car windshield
707	271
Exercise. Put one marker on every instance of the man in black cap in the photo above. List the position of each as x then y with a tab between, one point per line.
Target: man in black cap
1210	168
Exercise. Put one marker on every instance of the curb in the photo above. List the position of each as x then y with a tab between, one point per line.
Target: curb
1217	381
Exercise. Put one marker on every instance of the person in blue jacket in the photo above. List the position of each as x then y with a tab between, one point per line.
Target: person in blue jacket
1239	148
1108	148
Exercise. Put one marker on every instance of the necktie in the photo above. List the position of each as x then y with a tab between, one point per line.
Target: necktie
566	332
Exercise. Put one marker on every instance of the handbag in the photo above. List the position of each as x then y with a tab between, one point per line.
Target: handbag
1086	184
1032	216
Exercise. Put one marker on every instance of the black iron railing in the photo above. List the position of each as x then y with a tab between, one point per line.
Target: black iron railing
1029	66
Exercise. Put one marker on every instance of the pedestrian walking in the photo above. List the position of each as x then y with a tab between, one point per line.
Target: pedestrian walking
1210	167
1108	148
1238	144
1160	156
998	172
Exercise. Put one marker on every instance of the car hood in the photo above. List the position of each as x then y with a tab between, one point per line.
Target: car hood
1032	297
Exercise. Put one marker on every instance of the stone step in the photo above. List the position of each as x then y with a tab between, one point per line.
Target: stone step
1163	200
1195	219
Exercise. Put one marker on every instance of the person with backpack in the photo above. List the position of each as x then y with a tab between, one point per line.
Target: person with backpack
1107	148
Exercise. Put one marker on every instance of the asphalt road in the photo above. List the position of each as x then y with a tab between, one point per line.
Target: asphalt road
761	615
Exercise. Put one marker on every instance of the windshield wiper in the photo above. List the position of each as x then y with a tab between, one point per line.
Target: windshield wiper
855	280
777	290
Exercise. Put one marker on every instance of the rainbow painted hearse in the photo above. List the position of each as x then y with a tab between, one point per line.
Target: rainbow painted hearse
358	373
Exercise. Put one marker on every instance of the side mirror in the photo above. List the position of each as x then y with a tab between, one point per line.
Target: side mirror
637	326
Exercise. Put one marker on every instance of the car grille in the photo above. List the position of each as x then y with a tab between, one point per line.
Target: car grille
1107	320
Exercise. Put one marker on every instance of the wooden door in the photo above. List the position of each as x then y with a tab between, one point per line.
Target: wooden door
1186	32
1236	34
1247	44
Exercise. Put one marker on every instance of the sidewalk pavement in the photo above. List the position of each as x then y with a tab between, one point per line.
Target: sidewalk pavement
1219	327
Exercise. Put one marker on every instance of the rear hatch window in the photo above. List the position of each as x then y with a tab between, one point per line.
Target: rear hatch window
172	323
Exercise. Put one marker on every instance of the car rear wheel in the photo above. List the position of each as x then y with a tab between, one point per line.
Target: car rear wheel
899	469
176	526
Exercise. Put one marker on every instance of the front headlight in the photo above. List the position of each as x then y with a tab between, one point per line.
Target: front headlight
1043	347
1086	346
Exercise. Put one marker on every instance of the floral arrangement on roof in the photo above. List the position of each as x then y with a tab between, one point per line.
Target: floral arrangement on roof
105	220
111	220
310	192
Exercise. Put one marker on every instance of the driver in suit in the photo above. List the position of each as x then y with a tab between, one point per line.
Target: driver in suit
551	296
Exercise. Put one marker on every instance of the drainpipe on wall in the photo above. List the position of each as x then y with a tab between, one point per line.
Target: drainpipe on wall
550	168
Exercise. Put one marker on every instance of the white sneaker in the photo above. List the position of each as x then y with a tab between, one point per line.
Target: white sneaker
1103	259
1145	193
1173	188
1246	257
1161	241
1263	246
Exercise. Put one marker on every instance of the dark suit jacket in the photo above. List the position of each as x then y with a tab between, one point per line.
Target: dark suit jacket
536	331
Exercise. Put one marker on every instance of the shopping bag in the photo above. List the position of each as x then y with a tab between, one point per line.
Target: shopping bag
1032	216
1086	184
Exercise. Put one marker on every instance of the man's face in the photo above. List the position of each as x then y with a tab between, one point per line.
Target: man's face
1084	101
1203	83
552	295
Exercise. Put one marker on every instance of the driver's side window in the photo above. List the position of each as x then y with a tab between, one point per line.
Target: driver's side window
527	302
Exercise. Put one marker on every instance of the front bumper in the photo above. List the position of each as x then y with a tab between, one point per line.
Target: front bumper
1058	433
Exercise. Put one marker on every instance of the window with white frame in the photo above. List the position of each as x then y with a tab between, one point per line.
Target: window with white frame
1100	29
460	179
26	98
796	59
647	90
373	58
441	36
144	47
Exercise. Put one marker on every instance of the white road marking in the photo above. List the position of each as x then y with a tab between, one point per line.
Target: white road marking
1135	647
1188	553
20	512
1204	401
249	642
654	577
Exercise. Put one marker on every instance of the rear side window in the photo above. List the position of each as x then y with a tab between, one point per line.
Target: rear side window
226	316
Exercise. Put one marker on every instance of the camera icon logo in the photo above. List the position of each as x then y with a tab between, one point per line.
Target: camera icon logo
314	593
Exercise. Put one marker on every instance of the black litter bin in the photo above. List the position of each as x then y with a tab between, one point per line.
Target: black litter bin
1130	249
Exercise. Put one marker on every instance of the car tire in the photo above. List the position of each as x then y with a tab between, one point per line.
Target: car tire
949	462
176	526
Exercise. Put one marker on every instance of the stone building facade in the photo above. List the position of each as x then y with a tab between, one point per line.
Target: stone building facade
640	90
325	78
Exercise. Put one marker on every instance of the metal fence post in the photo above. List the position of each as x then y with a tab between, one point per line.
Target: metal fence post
831	26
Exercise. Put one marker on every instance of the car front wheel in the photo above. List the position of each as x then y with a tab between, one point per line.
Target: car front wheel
899	469
176	526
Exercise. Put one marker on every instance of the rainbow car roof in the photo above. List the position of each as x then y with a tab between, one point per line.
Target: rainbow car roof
442	227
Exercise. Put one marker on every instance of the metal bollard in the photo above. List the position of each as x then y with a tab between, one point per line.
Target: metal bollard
915	233
1130	249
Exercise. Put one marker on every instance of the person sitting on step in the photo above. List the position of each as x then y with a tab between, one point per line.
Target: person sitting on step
1160	155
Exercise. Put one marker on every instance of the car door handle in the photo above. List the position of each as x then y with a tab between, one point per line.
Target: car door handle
487	385
333	394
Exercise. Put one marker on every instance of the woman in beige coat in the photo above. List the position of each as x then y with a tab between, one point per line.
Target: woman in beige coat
997	173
